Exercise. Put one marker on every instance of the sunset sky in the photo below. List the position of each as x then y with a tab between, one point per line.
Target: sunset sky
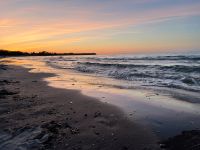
102	26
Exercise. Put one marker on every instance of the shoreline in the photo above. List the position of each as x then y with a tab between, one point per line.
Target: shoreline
64	119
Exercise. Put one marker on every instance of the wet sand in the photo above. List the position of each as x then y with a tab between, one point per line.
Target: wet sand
36	116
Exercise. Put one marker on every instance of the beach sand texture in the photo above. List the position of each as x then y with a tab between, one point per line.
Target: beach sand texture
36	116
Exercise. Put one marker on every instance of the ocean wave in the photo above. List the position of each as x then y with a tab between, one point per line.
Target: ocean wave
114	65
181	73
170	57
177	68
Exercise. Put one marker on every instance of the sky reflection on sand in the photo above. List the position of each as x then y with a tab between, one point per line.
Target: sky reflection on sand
166	115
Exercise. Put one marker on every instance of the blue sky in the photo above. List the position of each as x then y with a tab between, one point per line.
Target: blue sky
102	26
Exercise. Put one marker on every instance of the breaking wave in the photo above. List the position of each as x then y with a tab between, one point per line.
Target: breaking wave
176	71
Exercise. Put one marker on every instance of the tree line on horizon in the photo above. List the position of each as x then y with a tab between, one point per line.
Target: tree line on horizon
42	53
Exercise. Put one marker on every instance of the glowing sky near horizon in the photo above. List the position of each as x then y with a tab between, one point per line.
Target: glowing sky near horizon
102	26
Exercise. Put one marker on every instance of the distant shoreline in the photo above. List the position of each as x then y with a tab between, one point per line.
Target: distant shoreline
7	53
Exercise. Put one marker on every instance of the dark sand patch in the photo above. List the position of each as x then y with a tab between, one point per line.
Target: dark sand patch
187	140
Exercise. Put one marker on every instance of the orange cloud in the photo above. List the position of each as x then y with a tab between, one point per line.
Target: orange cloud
7	23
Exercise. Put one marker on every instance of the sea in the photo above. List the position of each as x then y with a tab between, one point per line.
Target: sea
158	91
168	71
